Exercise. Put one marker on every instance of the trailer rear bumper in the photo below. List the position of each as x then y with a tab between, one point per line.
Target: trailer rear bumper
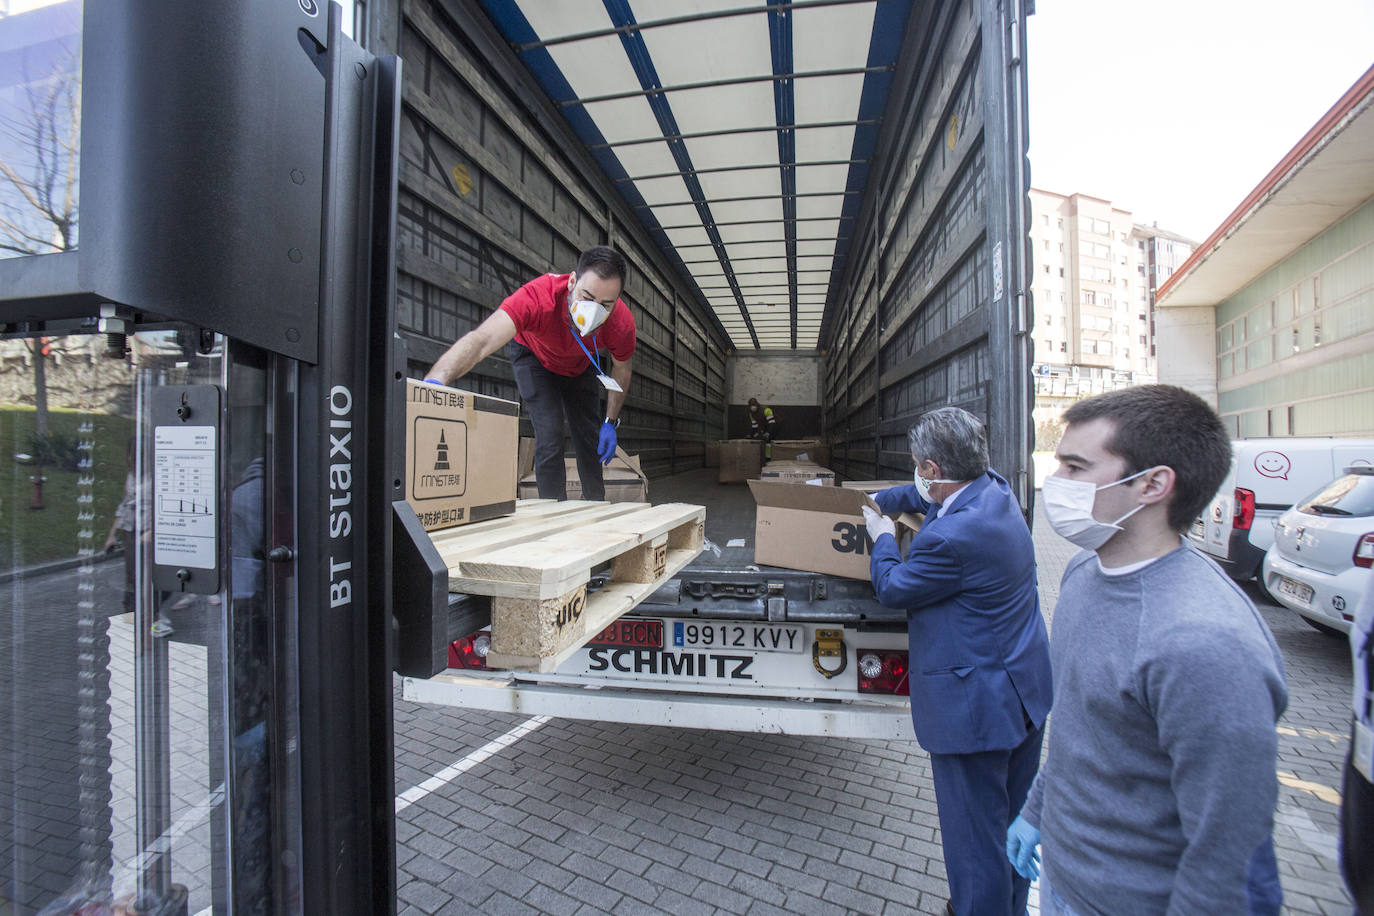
876	718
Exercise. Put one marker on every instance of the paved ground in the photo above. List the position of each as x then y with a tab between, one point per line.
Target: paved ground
568	817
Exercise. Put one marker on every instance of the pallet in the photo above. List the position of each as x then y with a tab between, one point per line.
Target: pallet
536	565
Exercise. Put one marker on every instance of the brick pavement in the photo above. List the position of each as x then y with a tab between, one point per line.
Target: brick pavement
585	817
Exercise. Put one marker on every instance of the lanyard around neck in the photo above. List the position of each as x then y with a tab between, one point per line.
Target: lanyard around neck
590	358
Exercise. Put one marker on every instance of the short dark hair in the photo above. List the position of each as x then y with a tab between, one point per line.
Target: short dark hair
605	262
1156	425
954	439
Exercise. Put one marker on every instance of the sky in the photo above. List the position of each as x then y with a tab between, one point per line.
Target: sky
1176	109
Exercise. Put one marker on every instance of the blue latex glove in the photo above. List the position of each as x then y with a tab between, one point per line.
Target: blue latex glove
1023	848
605	449
433	381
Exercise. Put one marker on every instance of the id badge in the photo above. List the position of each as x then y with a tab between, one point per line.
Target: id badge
609	383
1364	750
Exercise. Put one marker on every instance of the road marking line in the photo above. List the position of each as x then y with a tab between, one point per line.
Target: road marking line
1325	793
162	846
453	771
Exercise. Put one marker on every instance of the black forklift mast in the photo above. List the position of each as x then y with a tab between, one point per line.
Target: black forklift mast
238	170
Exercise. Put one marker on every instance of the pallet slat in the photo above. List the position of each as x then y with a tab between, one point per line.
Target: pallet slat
544	567
536	566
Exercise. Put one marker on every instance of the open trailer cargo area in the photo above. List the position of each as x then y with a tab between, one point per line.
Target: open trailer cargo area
902	245
836	187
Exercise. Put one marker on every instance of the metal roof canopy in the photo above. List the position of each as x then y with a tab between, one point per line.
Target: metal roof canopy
729	126
1326	176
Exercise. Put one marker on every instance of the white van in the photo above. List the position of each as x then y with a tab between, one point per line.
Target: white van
1268	476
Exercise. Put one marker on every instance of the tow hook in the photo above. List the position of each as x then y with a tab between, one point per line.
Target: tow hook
829	644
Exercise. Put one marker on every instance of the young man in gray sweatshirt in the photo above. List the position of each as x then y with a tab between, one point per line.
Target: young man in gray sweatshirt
1159	790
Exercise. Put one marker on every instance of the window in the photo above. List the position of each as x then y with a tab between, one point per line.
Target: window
1046	218
1142	338
1061	271
1063	346
1047	270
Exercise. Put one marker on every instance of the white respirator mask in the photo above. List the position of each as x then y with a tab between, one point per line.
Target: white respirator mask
1069	508
923	485
588	315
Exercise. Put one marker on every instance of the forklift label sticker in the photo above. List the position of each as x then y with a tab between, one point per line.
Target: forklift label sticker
997	272
184	489
440	459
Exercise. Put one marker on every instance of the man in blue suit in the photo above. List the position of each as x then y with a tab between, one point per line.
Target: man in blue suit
980	663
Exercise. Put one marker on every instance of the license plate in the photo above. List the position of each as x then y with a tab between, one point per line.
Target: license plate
630	634
754	637
1295	590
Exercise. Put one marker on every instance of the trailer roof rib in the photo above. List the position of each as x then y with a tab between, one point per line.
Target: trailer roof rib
747	131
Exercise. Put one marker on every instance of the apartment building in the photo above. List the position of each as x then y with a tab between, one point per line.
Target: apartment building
1094	277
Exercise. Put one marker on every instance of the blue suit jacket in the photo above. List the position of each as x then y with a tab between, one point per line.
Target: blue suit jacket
979	649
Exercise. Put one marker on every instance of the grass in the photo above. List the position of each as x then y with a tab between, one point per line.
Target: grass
29	536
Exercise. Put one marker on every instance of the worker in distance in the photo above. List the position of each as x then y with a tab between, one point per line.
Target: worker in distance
555	326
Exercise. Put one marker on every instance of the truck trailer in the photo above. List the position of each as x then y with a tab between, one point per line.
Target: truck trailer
830	195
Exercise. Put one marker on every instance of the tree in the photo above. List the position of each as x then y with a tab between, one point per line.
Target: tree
39	175
39	162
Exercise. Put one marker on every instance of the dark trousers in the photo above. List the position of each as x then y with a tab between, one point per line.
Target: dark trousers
1357	834
978	797
549	398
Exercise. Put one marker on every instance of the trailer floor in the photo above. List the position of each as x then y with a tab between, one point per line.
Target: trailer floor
729	514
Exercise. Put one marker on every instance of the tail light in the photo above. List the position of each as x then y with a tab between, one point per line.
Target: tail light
471	651
1364	551
1245	509
883	672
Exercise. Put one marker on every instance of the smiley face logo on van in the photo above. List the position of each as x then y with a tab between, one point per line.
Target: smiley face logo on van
1273	464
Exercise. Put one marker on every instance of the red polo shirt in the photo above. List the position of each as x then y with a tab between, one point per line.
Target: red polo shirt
540	312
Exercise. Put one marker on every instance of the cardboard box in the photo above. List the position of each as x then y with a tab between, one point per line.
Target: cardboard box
526	457
740	460
460	455
798	472
712	454
815	529
873	486
623	479
801	450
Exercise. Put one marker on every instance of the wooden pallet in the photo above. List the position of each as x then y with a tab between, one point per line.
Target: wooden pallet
536	565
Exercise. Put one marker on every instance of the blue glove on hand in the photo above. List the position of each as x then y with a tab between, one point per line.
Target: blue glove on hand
1023	842
433	381
605	449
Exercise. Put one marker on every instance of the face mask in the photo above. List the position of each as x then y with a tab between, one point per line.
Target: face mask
588	315
923	485
1069	508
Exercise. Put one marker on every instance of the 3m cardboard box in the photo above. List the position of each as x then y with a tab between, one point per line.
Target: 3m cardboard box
798	472
740	460
712	454
624	481
815	529
460	455
801	450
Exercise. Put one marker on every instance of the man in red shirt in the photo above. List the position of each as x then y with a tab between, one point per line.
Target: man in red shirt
555	325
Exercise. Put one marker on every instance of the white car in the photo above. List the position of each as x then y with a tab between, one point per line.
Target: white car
1320	563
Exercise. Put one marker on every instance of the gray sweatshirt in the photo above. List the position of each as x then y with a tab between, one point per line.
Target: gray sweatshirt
1160	781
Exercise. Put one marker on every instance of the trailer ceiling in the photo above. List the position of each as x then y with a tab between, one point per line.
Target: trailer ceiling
740	132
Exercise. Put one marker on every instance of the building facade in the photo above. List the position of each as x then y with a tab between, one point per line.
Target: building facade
1093	284
1272	319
